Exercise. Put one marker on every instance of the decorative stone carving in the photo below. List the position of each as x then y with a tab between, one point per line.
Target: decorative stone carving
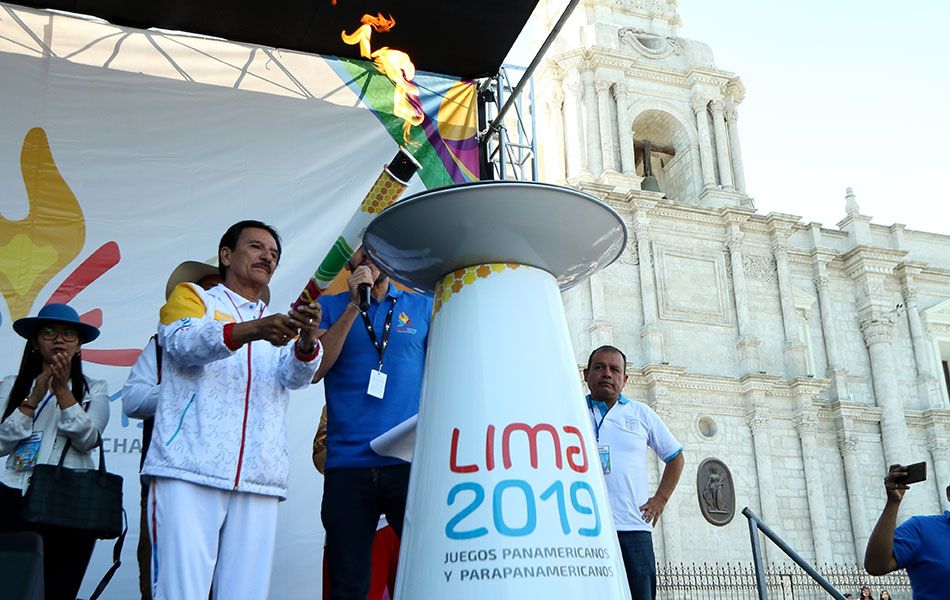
716	492
847	445
734	241
621	91
758	420
821	283
698	104
759	268
630	255
665	9
650	45
876	289
780	250
806	422
876	331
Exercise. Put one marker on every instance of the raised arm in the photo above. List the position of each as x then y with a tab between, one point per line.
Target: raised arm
879	556
84	426
335	334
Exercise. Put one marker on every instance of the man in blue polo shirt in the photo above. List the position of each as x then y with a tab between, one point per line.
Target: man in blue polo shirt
624	430
372	376
921	544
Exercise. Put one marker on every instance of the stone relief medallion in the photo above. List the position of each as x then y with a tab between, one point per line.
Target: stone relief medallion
760	268
716	492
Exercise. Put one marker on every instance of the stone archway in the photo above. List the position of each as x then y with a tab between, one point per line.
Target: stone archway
671	158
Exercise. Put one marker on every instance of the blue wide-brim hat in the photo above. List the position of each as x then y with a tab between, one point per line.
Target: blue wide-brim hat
57	313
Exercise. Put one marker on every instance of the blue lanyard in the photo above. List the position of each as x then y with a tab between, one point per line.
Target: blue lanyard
597	425
39	409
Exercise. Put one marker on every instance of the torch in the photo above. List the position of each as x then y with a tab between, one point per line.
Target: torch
387	188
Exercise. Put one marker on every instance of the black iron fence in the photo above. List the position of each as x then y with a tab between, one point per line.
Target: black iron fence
736	581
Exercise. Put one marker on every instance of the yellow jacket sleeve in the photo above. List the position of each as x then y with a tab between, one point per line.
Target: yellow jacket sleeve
183	303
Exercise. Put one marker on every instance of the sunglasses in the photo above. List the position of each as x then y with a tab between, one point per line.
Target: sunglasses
51	333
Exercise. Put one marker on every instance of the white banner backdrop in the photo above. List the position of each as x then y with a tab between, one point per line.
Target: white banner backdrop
164	141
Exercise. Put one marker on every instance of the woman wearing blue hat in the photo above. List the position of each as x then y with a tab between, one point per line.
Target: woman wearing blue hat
48	402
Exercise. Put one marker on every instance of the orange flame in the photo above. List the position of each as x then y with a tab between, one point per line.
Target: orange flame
36	248
394	64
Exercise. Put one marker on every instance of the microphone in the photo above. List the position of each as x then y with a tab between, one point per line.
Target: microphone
363	292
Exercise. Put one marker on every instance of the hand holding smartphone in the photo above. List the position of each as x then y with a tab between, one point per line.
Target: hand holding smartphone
916	473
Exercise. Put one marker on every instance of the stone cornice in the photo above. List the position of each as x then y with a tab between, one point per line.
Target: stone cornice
854	412
782	222
863	260
736	214
809	386
701	75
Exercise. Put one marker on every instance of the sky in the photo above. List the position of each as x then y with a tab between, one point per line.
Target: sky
838	93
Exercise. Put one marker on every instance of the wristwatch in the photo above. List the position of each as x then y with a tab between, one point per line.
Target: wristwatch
26	404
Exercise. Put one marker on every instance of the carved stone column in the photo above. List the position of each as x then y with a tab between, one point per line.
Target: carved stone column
671	523
573	147
857	489
806	423
758	420
606	130
940	453
722	145
747	344
595	161
651	334
838	375
554	158
628	163
927	383
600	330
794	348
732	124
877	336
699	104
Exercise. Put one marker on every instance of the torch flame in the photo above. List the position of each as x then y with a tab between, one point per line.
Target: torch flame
394	64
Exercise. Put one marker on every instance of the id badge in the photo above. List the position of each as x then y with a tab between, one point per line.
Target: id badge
377	384
604	451
23	457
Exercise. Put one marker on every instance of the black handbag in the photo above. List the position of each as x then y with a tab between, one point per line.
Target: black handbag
87	500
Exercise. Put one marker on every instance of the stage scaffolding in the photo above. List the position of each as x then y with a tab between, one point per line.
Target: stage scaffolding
509	150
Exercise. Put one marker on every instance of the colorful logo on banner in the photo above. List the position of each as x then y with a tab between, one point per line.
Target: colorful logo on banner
36	248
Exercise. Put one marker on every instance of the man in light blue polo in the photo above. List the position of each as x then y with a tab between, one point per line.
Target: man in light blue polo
921	544
624	430
372	375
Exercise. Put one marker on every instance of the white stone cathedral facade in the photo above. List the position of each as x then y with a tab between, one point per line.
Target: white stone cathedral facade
805	357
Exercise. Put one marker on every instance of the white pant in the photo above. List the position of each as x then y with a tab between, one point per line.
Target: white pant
202	534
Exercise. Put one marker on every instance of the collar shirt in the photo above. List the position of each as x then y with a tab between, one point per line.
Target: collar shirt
922	546
354	417
221	416
624	432
43	436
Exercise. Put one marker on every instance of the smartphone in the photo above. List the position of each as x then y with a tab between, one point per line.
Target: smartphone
916	473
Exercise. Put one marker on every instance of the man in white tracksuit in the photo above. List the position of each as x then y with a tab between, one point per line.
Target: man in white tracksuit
218	463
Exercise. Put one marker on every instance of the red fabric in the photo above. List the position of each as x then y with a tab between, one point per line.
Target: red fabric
382	576
228	340
306	357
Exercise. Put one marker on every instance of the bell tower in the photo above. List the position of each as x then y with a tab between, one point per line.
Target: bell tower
631	104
